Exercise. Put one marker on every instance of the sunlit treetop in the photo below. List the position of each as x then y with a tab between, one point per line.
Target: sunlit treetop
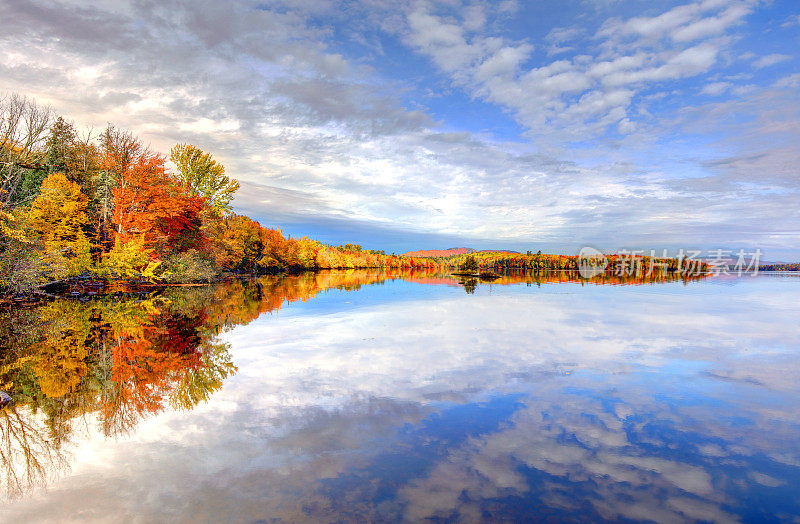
204	176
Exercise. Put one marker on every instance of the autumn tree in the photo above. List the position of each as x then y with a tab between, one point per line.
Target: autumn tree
128	260
28	453
118	151
150	204
58	214
20	266
237	243
470	264
196	384
61	358
73	154
278	252
204	176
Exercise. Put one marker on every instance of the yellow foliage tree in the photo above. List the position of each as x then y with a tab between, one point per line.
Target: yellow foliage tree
11	230
20	267
204	176
129	260
59	215
61	358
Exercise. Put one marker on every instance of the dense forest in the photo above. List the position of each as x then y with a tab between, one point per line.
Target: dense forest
780	267
619	264
78	205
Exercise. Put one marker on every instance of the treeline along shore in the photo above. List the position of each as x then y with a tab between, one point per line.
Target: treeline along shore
103	207
107	208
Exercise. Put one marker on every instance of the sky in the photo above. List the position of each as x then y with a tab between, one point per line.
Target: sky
544	125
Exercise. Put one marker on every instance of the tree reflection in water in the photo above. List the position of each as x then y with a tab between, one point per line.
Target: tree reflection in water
113	360
121	358
118	359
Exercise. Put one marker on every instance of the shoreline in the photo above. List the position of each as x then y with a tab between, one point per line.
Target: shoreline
85	288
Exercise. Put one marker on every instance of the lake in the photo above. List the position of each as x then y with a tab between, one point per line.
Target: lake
367	396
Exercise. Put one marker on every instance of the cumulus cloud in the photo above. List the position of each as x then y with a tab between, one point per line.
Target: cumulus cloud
635	53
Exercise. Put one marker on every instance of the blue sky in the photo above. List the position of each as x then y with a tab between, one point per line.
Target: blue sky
402	125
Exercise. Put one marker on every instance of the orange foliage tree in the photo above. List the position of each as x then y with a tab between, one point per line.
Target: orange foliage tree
149	203
237	243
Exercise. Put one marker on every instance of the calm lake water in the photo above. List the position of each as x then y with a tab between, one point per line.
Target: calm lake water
359	396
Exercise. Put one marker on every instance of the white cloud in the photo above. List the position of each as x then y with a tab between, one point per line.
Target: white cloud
792	80
626	127
716	88
552	99
560	35
770	60
791	21
682	23
558	38
688	62
712	25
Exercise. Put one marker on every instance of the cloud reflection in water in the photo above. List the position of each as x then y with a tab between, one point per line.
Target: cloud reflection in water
407	401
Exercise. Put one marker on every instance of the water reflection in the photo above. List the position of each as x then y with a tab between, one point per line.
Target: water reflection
118	361
123	357
409	400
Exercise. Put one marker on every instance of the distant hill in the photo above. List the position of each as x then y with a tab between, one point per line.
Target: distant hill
440	252
454	251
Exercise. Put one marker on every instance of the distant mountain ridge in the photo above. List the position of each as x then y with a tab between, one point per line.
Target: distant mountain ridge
498	251
451	251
